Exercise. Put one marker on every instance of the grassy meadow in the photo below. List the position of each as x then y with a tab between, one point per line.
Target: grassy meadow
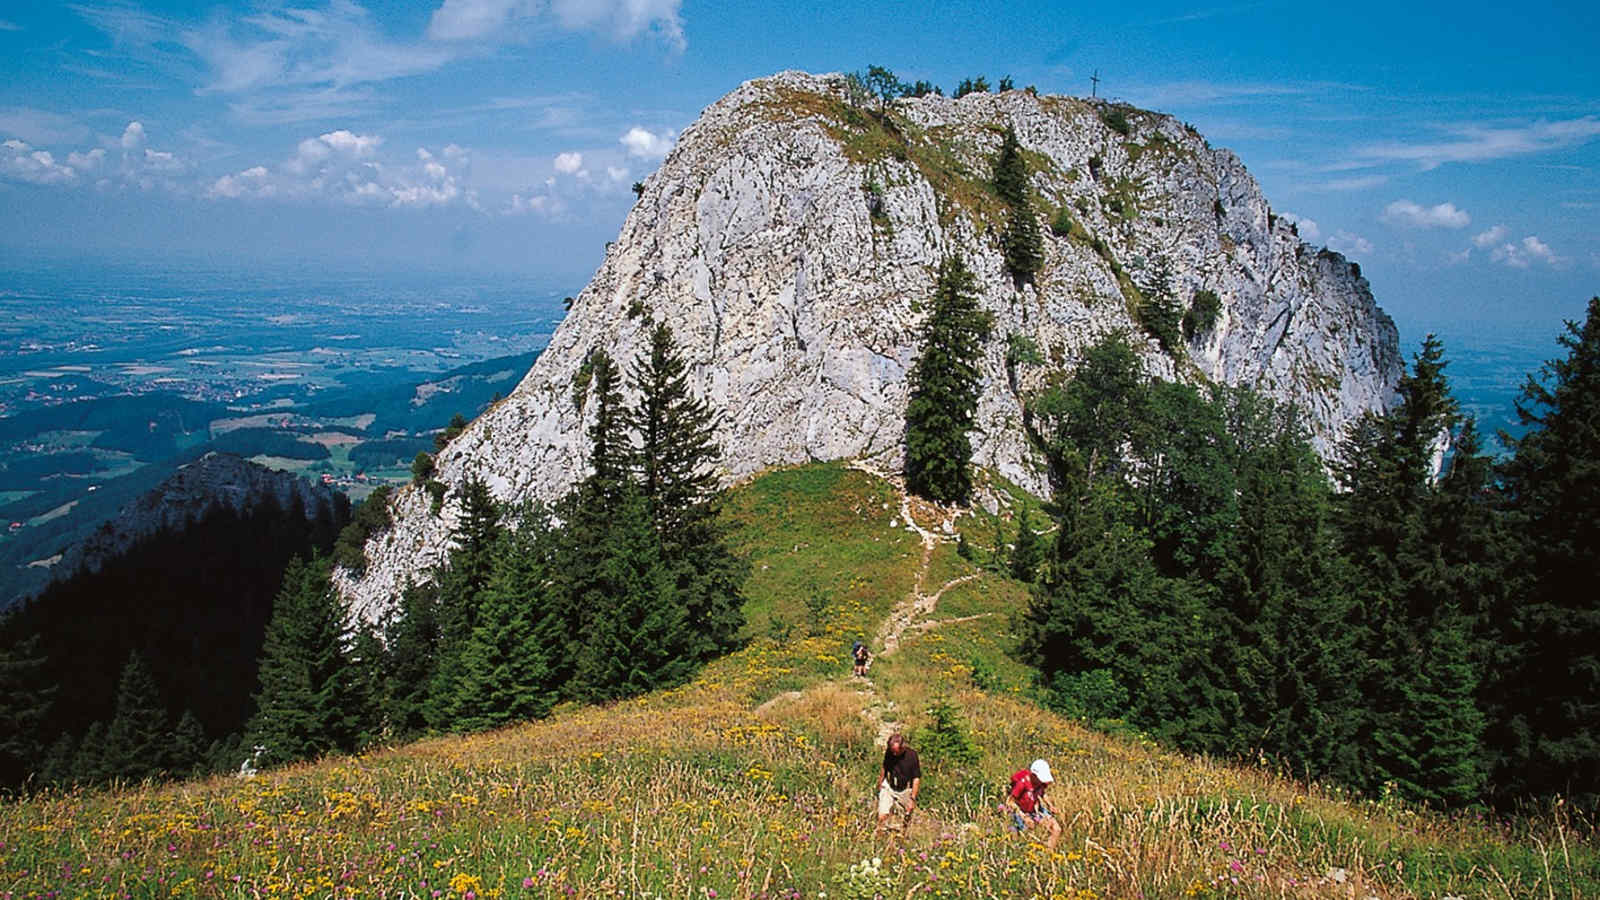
756	779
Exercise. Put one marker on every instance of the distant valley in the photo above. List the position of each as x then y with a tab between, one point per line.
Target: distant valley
111	377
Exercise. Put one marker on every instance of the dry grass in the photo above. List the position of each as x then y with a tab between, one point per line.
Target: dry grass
694	793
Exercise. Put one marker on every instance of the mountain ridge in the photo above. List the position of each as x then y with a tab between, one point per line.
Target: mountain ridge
790	236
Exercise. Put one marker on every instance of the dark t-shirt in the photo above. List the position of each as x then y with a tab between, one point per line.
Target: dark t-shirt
902	769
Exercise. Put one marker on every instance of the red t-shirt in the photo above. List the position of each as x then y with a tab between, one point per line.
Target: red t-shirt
1025	792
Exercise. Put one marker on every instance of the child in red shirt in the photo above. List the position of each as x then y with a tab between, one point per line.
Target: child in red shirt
1026	800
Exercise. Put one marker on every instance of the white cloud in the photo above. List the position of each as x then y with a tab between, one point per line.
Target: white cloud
569	162
647	144
1308	228
1492	236
251	181
1413	215
616	174
19	160
621	20
133	136
85	162
353	144
1480	143
1347	243
1525	253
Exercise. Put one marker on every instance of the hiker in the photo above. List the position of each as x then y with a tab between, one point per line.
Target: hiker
899	781
1026	800
862	657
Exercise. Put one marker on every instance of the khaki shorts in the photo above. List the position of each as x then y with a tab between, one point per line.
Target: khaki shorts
888	797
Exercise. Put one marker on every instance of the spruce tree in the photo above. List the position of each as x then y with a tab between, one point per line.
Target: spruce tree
186	748
465	576
137	741
505	664
25	700
674	465
1023	241
1026	552
305	706
411	643
636	633
1553	487
89	763
944	387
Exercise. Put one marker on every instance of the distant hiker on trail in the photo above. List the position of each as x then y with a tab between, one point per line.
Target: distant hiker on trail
862	657
899	782
1026	801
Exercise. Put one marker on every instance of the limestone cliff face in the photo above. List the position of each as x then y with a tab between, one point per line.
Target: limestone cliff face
791	236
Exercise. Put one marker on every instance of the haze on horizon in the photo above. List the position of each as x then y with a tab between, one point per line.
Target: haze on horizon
1452	150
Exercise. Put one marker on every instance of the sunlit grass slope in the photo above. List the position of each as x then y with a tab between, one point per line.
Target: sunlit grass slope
755	780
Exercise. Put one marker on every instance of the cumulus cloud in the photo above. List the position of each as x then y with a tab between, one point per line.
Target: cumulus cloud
133	136
1524	253
1409	214
19	160
1308	228
1490	237
646	144
344	167
569	163
87	162
1349	244
621	20
353	144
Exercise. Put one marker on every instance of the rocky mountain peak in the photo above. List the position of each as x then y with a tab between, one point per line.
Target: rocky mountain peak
790	239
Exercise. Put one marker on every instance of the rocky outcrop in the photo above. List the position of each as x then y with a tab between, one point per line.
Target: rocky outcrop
214	481
791	236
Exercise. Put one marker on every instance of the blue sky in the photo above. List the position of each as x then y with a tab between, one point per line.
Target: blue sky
1452	149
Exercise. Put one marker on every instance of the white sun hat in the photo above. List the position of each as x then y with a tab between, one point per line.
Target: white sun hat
1041	771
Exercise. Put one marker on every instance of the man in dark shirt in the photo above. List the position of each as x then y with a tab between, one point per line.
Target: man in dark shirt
899	781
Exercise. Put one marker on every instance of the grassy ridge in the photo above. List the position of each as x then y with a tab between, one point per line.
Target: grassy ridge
755	779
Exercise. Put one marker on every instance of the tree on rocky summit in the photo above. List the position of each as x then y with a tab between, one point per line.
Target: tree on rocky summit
944	386
1023	240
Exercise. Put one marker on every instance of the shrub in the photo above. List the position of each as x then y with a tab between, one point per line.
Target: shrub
1061	225
421	467
1095	694
947	739
1203	313
1116	120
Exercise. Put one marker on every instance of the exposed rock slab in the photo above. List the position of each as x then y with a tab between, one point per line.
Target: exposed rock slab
798	306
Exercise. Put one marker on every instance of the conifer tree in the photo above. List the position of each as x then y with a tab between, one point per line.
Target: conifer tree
305	706
1553	485
674	464
136	742
89	763
186	748
25	699
411	642
477	537
944	386
1026	552
57	767
505	667
368	686
1023	241
636	634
